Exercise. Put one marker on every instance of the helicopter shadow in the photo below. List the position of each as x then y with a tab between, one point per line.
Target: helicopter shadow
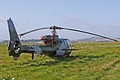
65	60
54	61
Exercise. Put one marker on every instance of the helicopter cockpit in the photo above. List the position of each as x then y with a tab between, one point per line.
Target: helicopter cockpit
49	40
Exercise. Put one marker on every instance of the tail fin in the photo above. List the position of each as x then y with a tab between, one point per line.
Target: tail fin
15	45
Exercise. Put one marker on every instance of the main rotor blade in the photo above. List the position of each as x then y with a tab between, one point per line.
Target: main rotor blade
33	31
91	34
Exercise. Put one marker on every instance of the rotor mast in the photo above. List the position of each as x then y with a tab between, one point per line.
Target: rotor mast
53	33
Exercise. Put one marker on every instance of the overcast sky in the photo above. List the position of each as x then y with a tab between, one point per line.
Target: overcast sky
97	16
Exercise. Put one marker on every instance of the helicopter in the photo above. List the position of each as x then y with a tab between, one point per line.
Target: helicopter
53	45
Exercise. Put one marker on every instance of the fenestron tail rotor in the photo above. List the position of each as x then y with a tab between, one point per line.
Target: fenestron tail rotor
75	30
15	45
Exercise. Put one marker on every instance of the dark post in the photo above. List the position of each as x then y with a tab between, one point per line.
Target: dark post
32	56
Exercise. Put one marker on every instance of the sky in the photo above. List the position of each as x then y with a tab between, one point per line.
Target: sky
97	16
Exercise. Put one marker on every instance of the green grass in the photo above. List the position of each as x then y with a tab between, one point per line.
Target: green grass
93	61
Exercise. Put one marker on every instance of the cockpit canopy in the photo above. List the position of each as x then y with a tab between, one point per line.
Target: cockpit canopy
49	39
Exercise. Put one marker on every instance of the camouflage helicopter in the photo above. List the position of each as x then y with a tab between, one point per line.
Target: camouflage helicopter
53	45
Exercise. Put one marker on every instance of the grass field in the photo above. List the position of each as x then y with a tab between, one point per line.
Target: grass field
93	61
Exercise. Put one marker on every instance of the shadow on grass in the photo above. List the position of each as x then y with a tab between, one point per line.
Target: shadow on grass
57	60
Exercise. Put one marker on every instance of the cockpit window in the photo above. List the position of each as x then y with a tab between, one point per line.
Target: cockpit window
68	41
65	41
